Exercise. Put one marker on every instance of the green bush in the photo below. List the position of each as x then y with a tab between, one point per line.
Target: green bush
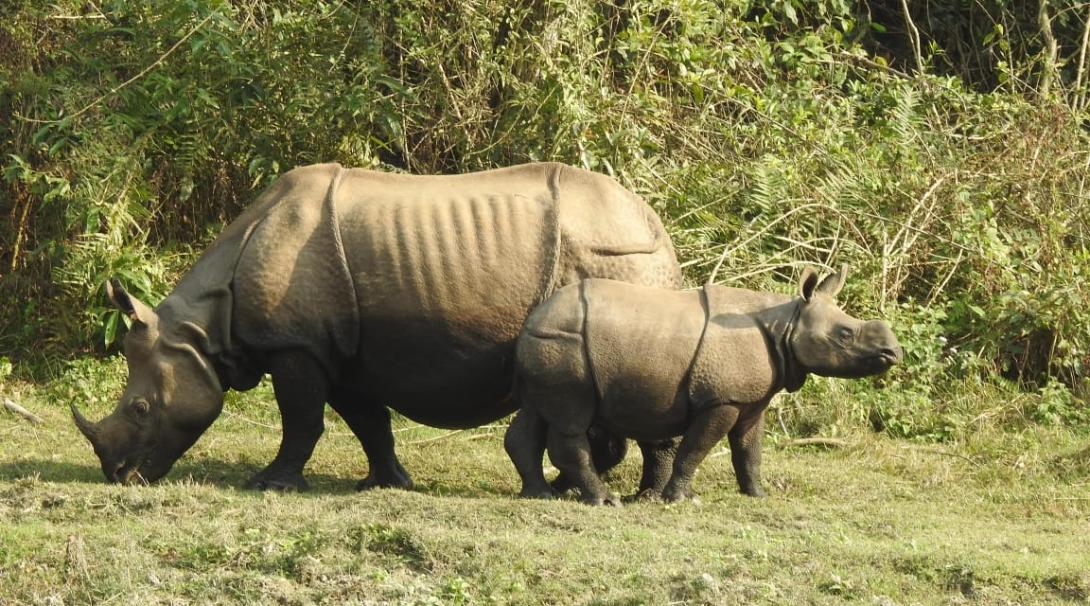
769	134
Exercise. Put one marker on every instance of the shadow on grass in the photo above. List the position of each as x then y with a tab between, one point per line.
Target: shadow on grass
49	471
211	472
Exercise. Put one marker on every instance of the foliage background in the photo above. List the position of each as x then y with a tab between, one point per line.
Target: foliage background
940	149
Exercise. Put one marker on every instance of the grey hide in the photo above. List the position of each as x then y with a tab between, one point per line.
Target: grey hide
365	290
649	364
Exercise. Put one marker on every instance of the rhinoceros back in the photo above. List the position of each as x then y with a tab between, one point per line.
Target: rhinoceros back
414	288
445	269
640	341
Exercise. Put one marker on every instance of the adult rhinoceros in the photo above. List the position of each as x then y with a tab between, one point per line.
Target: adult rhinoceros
365	290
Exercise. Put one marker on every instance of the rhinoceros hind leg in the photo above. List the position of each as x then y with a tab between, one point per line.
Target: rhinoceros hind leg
606	452
570	452
371	424
525	444
301	388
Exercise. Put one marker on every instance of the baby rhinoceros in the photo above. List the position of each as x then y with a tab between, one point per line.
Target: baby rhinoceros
649	364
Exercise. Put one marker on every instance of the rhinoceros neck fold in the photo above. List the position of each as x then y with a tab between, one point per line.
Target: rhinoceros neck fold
200	327
197	315
779	325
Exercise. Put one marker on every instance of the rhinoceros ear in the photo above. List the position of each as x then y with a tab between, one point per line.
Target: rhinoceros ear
832	283
131	306
808	283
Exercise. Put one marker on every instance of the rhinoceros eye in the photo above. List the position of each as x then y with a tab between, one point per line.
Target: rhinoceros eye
845	334
141	406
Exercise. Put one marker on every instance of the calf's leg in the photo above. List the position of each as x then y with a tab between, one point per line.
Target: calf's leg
301	389
606	452
571	453
745	452
657	460
704	432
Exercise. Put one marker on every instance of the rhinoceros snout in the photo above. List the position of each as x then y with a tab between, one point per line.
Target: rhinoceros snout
891	355
125	471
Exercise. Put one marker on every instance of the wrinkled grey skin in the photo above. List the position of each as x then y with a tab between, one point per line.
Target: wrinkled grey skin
650	364
365	290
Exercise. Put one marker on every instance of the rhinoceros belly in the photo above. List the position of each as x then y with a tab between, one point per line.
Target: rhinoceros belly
445	269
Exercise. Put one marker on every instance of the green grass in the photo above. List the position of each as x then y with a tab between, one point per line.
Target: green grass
996	518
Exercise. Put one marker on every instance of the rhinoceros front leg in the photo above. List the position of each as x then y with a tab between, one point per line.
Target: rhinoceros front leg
301	389
745	452
371	424
705	431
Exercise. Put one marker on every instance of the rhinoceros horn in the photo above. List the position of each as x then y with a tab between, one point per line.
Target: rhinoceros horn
86	427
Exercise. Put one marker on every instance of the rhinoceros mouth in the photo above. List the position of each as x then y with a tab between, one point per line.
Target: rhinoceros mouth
128	471
884	361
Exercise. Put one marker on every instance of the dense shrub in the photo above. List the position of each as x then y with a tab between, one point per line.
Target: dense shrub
769	134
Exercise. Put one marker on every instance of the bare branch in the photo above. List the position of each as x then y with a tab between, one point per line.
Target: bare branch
1052	50
22	412
142	73
913	36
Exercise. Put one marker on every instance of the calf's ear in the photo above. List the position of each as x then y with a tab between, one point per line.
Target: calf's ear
832	283
808	283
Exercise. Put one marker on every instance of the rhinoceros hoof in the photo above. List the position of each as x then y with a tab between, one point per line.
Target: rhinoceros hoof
283	484
754	491
545	492
676	495
647	495
561	484
371	482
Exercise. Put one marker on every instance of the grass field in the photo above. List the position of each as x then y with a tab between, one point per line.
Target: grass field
999	518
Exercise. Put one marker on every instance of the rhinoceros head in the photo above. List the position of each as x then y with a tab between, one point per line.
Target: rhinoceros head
828	342
171	397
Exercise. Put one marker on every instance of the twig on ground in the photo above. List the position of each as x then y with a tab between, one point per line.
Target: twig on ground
22	412
459	431
244	419
723	451
437	438
943	452
818	441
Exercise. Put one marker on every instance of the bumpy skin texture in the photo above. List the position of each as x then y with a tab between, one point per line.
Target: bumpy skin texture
365	290
650	364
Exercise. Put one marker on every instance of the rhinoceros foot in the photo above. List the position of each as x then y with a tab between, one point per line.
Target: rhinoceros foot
647	495
562	484
673	494
542	492
270	479
754	490
396	477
